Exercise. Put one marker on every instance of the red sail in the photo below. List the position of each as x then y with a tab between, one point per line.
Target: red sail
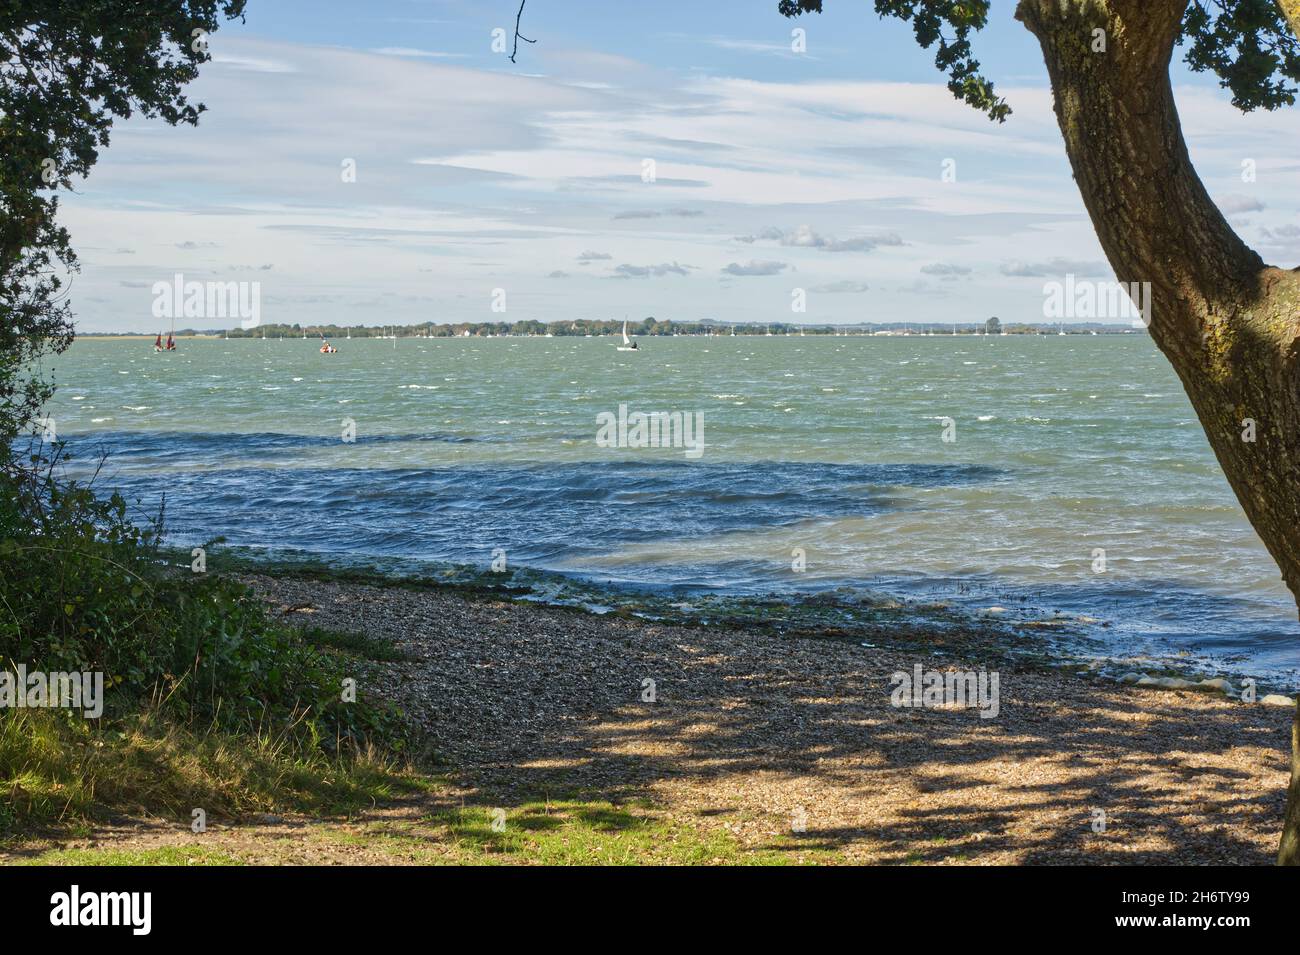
158	341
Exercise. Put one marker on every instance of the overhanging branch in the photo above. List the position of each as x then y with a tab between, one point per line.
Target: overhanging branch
519	36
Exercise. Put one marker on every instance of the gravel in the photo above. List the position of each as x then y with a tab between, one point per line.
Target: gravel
758	734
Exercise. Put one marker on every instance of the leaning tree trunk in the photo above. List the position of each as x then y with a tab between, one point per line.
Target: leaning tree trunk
1229	324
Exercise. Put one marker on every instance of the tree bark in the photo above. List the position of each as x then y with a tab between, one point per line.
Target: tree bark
1228	323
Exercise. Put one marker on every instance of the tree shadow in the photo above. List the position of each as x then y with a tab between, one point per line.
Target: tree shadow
753	726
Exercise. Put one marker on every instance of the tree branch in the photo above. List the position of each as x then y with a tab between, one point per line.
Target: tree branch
519	36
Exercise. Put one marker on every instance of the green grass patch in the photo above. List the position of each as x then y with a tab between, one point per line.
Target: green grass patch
164	855
596	832
59	772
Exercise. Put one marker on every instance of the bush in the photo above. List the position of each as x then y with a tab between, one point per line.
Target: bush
83	588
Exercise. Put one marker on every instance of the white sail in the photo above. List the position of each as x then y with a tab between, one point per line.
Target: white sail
626	340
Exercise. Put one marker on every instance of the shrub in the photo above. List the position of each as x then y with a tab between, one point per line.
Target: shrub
82	587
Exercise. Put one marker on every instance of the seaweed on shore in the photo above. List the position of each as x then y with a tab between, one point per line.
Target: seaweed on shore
846	614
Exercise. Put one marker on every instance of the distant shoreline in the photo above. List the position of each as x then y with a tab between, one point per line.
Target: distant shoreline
110	336
420	332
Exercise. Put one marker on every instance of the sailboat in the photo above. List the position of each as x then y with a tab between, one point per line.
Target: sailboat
628	344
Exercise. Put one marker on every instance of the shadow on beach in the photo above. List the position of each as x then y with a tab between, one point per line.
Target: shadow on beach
750	730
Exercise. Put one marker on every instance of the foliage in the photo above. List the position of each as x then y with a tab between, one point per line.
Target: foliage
207	701
194	669
68	69
1246	43
929	19
82	588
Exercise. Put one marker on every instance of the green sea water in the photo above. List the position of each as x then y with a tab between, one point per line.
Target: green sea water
1076	478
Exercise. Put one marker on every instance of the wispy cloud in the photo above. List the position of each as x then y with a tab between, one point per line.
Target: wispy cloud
842	287
412	51
644	271
753	267
945	270
1055	268
805	238
656	213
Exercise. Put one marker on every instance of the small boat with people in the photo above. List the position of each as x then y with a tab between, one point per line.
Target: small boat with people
325	347
628	344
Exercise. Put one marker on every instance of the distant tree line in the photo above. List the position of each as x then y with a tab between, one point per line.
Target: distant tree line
646	327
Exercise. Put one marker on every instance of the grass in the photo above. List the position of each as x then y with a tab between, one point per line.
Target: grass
569	832
572	832
210	702
163	855
559	832
64	772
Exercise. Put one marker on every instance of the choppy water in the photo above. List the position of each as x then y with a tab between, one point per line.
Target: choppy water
829	444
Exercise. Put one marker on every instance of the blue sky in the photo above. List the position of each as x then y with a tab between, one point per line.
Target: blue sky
774	171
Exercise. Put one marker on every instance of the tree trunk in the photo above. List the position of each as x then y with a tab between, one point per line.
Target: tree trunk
1228	323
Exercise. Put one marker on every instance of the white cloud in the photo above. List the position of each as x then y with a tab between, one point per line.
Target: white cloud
752	267
412	51
469	179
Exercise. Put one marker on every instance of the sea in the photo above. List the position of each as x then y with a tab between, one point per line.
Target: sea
1056	477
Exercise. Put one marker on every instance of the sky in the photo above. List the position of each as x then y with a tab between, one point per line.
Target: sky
481	184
